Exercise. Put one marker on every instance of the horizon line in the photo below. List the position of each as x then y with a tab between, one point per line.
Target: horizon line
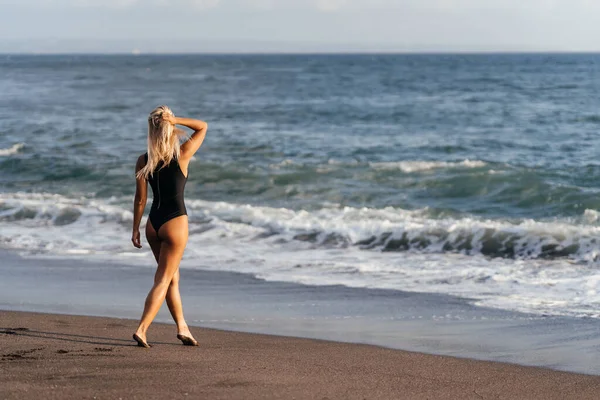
138	53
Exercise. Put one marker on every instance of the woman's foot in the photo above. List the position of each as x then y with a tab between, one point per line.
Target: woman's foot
184	334
141	341
187	340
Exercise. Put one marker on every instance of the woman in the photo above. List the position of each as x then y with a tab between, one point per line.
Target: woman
165	166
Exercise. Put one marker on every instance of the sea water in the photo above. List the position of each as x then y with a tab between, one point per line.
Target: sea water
469	175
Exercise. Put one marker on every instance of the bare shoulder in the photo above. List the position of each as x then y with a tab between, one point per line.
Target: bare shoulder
141	162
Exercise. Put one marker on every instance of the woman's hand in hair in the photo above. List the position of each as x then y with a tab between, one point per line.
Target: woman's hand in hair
169	118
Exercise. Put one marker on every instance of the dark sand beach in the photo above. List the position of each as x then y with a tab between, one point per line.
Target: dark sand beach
370	226
443	207
50	356
419	322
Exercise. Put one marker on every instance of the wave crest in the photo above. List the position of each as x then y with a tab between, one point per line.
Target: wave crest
419	166
385	248
14	149
398	230
384	230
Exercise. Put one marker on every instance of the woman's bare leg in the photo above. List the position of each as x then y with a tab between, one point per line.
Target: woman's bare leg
153	240
176	308
173	295
173	239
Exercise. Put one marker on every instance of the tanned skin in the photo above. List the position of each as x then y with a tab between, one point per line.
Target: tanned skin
169	242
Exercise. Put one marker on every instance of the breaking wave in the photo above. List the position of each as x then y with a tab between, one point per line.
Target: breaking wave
418	166
522	265
14	149
387	230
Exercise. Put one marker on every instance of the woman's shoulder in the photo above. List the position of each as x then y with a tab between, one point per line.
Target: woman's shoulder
142	160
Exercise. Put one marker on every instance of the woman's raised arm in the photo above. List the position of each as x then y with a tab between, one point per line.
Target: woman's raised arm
191	146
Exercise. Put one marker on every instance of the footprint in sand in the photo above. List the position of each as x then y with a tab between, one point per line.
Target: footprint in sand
103	349
21	355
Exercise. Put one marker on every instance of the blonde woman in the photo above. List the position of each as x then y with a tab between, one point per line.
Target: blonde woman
165	167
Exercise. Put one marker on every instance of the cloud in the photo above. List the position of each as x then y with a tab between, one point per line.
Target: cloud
96	3
330	5
118	4
199	3
261	4
434	6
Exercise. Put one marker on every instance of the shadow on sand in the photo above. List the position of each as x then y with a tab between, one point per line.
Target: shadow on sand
67	337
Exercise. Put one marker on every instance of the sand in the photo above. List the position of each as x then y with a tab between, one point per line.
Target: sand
49	356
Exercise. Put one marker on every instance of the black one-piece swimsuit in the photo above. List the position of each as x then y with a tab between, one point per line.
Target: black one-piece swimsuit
168	184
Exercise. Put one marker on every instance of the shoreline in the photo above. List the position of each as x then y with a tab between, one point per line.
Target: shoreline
419	322
64	356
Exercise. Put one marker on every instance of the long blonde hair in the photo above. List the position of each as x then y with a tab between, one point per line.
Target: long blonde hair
163	141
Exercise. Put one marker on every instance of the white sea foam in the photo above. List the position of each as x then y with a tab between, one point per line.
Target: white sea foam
591	215
52	223
320	248
394	229
283	163
14	149
404	166
418	166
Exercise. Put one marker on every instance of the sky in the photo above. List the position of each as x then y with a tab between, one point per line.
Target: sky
225	26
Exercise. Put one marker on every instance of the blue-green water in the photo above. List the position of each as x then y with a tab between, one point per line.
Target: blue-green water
474	175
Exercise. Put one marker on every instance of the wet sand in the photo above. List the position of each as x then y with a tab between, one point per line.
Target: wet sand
54	356
419	322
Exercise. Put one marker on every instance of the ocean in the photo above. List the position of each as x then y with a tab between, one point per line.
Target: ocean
474	176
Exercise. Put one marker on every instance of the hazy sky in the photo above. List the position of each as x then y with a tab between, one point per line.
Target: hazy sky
298	25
